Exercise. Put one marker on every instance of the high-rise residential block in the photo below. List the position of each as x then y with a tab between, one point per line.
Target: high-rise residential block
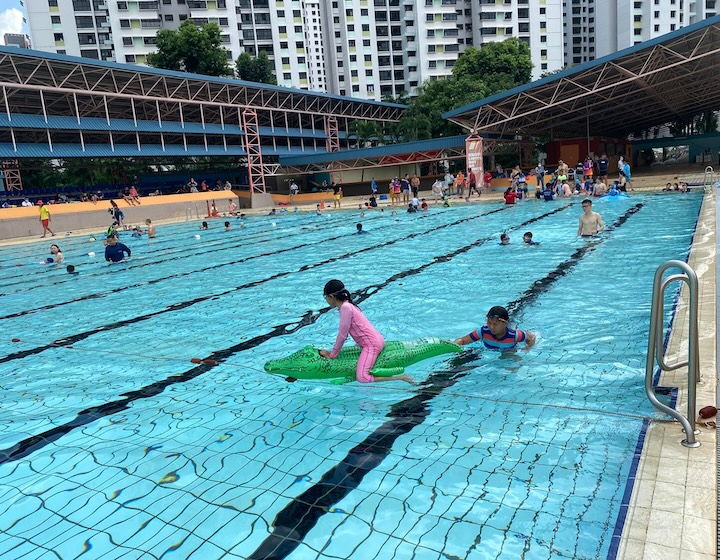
362	48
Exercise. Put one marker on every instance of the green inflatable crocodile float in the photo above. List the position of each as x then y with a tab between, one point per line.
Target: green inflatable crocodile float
397	354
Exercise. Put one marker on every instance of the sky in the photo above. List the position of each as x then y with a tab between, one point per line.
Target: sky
11	18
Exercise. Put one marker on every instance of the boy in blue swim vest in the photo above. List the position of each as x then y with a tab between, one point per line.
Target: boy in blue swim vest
496	334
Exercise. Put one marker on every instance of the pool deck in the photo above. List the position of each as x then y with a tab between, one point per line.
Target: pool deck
672	512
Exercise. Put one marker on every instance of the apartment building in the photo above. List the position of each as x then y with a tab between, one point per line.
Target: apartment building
362	48
596	28
19	40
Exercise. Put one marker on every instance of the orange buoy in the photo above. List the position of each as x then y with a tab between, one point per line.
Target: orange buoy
196	361
210	362
16	340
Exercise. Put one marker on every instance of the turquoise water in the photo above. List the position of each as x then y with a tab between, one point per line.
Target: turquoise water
114	445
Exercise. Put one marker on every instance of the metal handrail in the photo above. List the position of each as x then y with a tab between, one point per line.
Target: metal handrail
708	171
655	345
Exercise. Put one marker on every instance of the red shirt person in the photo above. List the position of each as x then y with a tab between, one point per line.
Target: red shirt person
510	196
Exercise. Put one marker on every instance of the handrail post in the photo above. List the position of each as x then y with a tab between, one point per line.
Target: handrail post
655	340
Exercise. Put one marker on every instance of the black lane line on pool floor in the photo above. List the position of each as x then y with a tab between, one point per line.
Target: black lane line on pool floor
105	293
72	339
294	522
216	245
33	443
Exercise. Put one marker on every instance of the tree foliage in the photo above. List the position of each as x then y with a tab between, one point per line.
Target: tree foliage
437	97
699	124
255	69
191	49
364	132
501	66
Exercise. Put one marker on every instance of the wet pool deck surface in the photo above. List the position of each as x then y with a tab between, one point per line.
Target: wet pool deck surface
672	511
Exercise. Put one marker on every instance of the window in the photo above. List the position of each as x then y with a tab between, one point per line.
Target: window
62	51
637	18
429	18
298	28
54	19
299	45
182	17
285	60
169	17
350	28
81	5
638	32
53	3
84	22
353	58
672	27
354	73
90	54
127	41
282	29
368	58
287	76
366	42
543	25
369	73
59	37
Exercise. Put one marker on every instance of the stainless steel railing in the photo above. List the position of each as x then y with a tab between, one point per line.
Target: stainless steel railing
655	345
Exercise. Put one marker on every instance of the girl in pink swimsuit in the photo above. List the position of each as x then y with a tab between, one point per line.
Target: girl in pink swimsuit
354	323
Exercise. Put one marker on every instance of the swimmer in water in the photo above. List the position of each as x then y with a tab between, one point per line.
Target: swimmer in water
496	334
71	269
228	227
504	239
204	225
590	222
151	228
57	256
360	228
527	238
355	324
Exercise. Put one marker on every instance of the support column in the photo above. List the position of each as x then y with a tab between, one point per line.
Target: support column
11	173
332	144
256	174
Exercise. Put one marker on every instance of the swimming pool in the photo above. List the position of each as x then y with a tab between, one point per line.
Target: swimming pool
115	445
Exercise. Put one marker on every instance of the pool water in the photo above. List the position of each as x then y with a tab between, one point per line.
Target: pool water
113	444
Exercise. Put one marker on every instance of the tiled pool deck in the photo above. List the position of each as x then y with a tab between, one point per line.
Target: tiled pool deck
672	512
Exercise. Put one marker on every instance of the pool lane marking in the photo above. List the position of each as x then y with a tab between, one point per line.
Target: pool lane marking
98	295
216	245
33	443
72	339
294	521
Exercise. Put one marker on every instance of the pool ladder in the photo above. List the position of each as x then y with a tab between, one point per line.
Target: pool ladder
709	174
655	345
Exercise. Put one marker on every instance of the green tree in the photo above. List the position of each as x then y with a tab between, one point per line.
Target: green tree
501	66
258	69
191	49
363	132
435	97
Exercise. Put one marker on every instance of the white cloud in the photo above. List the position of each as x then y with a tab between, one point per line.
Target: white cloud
11	21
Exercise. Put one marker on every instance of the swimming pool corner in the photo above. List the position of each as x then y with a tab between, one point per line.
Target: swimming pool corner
671	511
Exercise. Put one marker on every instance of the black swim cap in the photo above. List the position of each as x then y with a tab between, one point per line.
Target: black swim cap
333	287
